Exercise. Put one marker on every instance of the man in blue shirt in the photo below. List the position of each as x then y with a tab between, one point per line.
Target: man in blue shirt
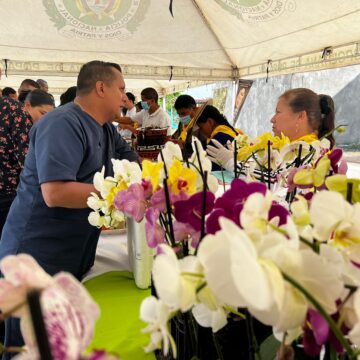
49	216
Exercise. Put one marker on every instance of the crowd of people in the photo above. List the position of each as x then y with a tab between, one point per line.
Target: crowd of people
47	167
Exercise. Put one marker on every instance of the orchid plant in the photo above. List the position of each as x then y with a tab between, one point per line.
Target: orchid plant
159	192
275	160
296	270
68	310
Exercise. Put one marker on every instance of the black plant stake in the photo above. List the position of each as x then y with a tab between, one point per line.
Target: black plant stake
349	191
235	159
203	208
169	212
33	299
163	160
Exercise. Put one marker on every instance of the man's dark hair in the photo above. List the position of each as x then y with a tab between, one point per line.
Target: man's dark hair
8	91
39	97
68	96
185	102
130	96
150	94
29	82
22	96
94	71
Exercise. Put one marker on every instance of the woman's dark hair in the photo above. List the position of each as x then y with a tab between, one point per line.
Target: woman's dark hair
138	105
8	91
39	97
23	94
213	113
68	96
130	96
319	109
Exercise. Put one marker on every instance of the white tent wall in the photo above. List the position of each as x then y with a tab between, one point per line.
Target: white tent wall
206	41
342	84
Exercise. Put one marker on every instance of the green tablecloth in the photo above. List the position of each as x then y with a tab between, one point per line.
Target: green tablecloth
119	328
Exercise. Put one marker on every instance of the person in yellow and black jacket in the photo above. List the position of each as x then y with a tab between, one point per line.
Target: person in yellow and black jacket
215	127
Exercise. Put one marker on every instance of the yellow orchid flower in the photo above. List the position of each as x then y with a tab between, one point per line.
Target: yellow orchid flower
314	176
278	142
112	193
181	178
152	171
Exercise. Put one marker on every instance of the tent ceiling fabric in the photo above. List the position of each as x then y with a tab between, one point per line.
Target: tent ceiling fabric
207	40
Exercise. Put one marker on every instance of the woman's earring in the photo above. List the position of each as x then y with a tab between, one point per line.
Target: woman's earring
296	128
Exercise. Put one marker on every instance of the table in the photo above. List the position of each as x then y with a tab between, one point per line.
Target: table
112	286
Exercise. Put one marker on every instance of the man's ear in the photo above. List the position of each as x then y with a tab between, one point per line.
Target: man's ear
99	88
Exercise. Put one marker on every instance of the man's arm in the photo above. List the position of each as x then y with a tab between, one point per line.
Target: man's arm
67	194
124	120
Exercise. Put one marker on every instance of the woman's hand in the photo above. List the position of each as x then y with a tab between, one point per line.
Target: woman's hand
219	154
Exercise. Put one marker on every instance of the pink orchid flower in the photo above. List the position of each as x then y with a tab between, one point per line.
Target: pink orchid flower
68	310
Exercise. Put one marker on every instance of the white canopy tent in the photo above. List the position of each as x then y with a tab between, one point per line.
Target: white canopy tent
205	41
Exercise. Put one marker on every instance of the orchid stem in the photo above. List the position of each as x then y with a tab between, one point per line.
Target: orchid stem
334	328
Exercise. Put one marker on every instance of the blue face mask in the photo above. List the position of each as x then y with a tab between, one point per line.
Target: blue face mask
145	105
185	119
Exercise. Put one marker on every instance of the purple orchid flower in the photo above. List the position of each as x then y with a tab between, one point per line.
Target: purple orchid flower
132	202
155	234
279	211
338	165
190	211
158	199
231	203
148	189
183	231
317	332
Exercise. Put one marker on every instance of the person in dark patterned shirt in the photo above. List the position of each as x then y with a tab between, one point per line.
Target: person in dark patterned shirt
15	125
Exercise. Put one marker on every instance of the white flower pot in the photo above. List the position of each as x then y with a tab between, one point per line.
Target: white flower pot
140	254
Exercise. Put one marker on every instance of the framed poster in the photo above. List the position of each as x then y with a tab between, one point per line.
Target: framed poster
243	88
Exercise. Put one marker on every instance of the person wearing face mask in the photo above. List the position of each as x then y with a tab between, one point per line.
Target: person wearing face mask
185	106
151	115
300	115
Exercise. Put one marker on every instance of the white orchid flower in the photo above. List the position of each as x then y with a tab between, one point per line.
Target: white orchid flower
176	280
315	273
254	215
157	314
232	269
291	151
103	185
350	273
170	152
94	202
335	218
354	334
95	219
206	164
128	171
216	319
